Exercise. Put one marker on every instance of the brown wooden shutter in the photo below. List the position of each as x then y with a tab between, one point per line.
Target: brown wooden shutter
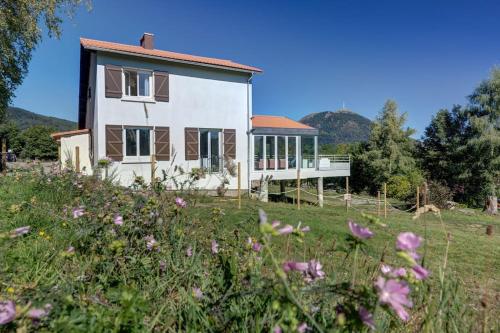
191	137
162	143
161	86
230	143
113	81
114	142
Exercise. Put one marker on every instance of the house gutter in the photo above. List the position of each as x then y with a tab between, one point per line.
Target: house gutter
248	135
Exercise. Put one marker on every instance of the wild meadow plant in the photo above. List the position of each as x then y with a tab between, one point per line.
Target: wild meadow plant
119	259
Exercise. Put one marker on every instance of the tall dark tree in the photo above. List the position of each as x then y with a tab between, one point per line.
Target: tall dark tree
20	33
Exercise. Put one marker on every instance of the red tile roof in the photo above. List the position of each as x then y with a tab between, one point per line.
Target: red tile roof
277	122
58	135
167	55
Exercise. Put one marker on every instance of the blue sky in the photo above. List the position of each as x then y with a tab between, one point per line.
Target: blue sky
315	54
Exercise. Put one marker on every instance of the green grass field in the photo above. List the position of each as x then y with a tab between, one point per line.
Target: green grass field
112	283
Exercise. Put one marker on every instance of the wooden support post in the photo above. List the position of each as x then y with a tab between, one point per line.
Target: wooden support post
239	185
77	159
320	192
298	188
417	204
347	201
3	167
385	200
282	190
378	203
424	201
153	169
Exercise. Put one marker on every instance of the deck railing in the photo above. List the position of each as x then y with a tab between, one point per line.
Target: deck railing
322	162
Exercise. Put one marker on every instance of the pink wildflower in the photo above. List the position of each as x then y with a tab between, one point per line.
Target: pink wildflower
288	229
215	247
20	231
37	313
257	247
189	251
151	243
77	212
420	272
7	312
277	329
118	219
360	232
409	242
366	317
393	272
302	328
395	294
197	293
181	203
305	229
295	266
311	270
70	249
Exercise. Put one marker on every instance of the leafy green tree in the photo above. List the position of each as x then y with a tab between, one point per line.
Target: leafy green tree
11	133
483	144
20	33
38	143
390	147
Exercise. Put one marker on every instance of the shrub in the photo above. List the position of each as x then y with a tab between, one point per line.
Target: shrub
399	187
439	194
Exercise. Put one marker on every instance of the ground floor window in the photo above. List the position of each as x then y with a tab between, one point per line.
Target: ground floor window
258	149
137	142
210	150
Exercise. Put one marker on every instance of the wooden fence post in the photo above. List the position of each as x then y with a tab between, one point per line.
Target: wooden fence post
418	198
3	167
239	185
378	203
385	200
153	167
298	188
425	194
77	159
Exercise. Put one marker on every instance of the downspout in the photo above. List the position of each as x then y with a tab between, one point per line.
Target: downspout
249	182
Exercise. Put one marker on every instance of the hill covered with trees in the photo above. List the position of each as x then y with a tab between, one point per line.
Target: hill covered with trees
25	119
338	127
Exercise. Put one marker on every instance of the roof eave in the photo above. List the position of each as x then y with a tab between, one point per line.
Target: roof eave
284	131
256	70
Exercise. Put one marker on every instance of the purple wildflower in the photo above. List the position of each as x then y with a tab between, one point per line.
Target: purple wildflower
274	224
197	293
295	266
181	203
163	266
288	229
277	329
151	243
305	229
408	241
420	272
77	212
189	251
20	231
37	313
314	271
215	247
257	247
393	272
7	312
366	317
360	232
302	328
395	294
118	220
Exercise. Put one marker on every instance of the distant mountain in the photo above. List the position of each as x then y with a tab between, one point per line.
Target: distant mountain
341	126
24	119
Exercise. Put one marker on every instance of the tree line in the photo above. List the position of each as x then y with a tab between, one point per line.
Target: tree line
33	143
458	154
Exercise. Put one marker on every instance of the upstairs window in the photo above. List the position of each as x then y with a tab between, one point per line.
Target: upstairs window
137	83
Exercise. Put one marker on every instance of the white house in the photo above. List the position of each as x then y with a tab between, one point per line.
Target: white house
189	111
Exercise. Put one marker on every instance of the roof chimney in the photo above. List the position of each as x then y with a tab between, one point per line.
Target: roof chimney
147	41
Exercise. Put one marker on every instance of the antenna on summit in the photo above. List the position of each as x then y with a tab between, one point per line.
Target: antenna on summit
343	106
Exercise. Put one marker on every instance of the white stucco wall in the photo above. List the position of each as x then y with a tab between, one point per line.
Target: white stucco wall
198	97
68	152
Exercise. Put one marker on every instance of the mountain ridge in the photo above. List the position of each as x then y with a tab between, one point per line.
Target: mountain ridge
341	126
25	119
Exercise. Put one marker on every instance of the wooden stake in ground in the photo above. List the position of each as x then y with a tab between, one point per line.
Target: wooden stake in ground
153	167
239	185
378	203
424	192
385	200
347	201
298	188
417	205
3	167
77	159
